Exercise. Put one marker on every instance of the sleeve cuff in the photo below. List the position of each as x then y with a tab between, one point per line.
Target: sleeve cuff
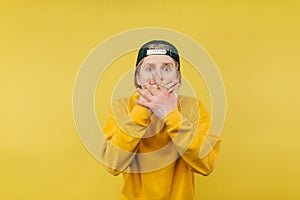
140	115
173	118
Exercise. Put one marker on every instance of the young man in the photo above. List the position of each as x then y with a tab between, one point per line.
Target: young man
156	139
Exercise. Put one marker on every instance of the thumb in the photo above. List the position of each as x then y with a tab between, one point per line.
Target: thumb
175	89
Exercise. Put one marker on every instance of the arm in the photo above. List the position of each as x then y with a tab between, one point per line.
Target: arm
188	128
123	132
190	131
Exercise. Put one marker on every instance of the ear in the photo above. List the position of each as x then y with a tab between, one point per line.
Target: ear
178	76
137	78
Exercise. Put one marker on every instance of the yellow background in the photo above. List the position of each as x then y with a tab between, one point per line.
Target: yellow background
255	45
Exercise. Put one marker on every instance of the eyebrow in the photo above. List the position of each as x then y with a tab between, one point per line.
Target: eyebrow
168	63
164	63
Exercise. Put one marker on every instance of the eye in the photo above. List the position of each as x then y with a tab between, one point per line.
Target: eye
166	68
149	69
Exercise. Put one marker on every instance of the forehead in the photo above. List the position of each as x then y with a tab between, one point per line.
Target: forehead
155	59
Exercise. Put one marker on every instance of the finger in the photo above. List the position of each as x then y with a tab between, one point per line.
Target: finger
174	89
160	85
162	88
171	84
142	103
144	94
144	85
157	81
151	90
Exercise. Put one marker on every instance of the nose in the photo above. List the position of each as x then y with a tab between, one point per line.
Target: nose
157	74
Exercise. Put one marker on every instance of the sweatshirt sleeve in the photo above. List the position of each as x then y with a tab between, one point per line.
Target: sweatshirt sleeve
193	137
123	132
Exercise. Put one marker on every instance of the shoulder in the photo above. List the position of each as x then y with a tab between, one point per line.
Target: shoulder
186	98
190	105
120	102
125	104
187	101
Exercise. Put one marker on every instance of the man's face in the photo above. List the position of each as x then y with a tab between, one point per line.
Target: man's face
162	67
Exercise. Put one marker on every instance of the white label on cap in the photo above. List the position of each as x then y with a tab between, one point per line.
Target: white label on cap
156	51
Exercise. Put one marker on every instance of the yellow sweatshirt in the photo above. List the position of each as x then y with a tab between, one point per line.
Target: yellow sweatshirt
157	157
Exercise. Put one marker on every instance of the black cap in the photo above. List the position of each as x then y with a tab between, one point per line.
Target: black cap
145	51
